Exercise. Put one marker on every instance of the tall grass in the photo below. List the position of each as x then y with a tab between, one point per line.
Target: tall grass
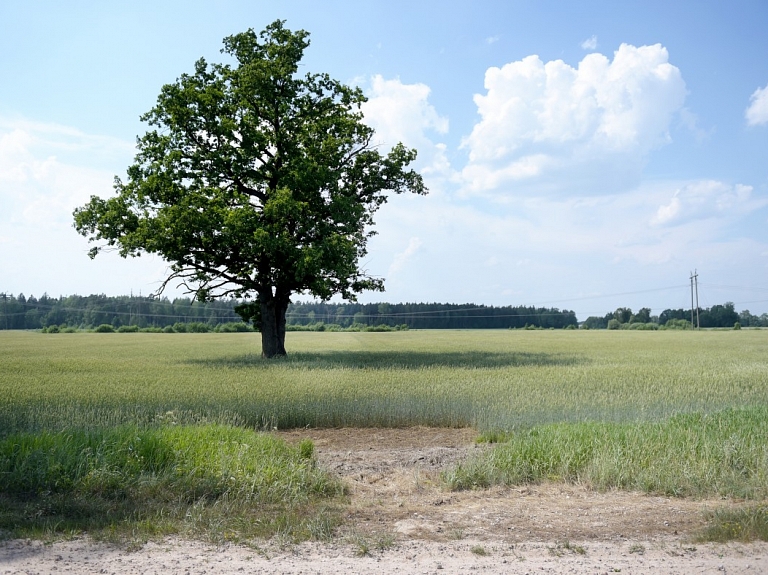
502	380
158	480
719	454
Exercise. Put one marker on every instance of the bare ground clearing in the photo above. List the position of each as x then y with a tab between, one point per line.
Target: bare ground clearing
404	520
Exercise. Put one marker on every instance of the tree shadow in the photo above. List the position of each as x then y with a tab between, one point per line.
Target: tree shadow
381	360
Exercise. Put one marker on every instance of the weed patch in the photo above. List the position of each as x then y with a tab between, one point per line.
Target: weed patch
745	524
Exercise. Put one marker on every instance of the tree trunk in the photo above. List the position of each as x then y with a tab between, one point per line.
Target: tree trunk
273	312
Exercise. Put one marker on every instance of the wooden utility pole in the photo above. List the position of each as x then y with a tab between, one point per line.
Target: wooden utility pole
692	324
695	286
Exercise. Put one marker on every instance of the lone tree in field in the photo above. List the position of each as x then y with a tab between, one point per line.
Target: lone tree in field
256	183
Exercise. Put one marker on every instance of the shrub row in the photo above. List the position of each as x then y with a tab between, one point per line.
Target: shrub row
199	327
191	327
322	326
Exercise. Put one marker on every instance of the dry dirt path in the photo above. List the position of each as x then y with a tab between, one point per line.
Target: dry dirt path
408	524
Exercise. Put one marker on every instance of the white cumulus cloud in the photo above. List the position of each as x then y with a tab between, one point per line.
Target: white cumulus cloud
402	113
537	117
757	113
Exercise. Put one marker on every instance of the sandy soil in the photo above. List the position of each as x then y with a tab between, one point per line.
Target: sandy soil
402	520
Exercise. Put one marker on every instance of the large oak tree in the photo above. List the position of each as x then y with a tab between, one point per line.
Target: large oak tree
256	182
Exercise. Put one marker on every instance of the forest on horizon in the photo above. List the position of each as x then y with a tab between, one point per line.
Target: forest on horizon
87	312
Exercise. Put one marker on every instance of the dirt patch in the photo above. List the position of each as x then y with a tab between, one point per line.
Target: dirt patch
394	481
401	520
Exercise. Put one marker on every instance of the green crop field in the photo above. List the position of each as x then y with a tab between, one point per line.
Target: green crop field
491	380
84	420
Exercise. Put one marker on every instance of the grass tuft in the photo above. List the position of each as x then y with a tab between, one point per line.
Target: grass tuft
745	524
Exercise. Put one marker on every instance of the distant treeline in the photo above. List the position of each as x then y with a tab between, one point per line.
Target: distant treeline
723	315
430	315
87	312
20	312
91	311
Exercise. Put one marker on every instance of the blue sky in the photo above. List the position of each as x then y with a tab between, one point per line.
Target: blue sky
582	155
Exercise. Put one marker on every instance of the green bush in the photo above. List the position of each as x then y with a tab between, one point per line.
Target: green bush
614	324
231	327
105	328
380	327
168	329
677	324
643	326
128	329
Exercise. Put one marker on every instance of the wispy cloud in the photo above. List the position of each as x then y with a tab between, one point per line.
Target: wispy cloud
705	200
400	259
641	237
59	139
589	43
690	122
47	170
41	173
757	112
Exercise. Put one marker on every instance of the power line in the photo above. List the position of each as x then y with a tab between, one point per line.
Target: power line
743	288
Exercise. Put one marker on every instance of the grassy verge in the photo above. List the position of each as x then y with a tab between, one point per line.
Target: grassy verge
718	454
130	484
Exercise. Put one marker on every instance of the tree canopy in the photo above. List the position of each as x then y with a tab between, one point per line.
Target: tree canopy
256	182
